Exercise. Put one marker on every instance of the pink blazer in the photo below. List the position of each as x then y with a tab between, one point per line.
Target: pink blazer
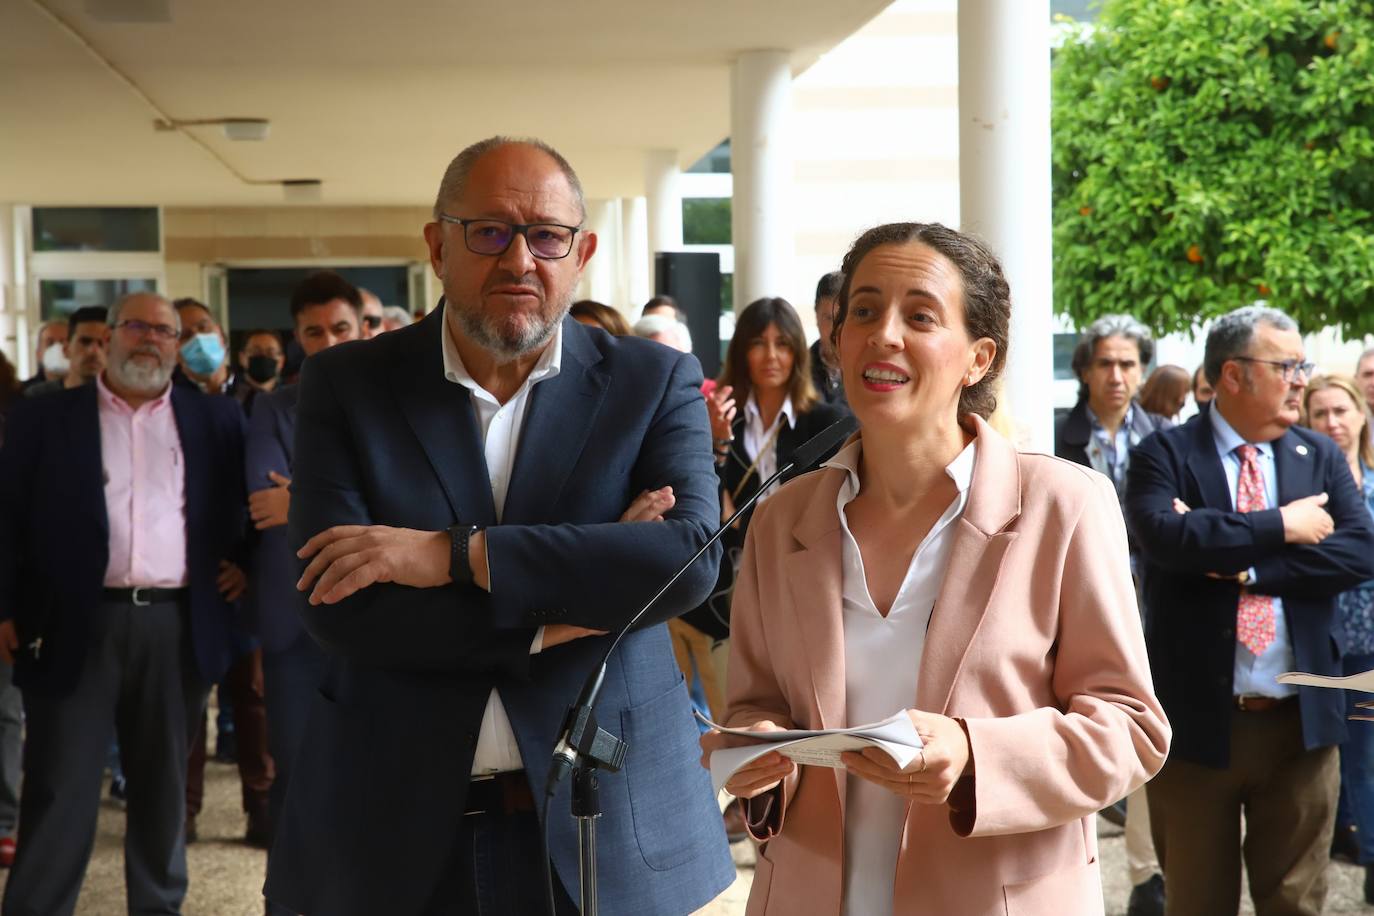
1035	642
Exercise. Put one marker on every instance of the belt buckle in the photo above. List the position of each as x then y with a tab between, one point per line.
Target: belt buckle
137	599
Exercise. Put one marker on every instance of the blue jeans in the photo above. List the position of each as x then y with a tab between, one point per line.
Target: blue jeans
1356	804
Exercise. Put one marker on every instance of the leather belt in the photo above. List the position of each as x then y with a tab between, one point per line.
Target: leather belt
504	793
142	595
1259	703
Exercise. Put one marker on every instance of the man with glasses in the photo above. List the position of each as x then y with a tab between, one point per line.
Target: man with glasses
1249	527
120	510
460	507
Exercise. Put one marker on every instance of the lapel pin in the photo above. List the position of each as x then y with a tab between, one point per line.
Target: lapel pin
1302	450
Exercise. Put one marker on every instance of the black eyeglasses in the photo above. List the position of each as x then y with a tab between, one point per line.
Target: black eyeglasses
372	321
546	241
1288	368
140	328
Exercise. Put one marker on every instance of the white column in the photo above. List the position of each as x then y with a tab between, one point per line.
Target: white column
1004	185
662	187
760	101
634	236
599	277
10	344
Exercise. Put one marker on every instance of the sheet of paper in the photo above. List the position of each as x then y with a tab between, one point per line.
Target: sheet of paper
896	736
1364	681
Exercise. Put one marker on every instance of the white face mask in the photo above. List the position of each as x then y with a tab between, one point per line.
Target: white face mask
55	360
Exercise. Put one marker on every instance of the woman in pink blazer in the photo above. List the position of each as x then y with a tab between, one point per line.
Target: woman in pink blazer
930	567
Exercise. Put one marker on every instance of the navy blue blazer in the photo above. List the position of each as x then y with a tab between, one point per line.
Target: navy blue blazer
383	438
272	603
1191	629
54	533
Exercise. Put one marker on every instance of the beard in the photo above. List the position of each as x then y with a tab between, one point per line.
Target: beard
511	336
138	376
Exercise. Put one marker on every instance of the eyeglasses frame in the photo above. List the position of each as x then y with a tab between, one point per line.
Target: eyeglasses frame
1287	367
517	229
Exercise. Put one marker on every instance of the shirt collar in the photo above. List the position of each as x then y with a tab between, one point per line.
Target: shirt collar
960	470
1228	440
110	400
550	362
1127	421
751	411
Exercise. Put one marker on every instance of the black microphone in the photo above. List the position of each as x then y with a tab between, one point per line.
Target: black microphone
581	737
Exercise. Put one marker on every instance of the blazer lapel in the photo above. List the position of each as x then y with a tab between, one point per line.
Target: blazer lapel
1205	465
83	430
815	577
975	561
560	417
195	437
441	415
1294	463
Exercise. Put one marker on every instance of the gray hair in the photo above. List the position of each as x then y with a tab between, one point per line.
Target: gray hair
1113	326
112	317
456	175
1368	352
396	313
653	325
1231	334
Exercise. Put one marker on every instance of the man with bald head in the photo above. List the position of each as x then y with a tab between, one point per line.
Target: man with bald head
476	499
373	314
121	506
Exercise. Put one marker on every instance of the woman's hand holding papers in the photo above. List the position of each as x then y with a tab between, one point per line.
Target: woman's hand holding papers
929	778
753	778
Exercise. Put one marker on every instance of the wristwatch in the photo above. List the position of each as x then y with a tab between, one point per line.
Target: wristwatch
459	567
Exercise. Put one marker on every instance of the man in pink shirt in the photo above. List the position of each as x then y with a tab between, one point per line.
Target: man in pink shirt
120	506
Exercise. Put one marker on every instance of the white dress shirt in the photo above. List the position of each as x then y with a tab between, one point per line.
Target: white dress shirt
1256	675
497	751
882	659
757	436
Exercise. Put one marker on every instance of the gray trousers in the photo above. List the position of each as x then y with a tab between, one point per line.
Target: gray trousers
140	681
11	746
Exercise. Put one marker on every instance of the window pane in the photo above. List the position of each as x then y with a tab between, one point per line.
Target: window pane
59	298
1063	355
95	229
716	162
706	220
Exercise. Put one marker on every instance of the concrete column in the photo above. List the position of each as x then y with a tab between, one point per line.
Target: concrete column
599	279
1004	185
10	343
662	187
634	236
760	101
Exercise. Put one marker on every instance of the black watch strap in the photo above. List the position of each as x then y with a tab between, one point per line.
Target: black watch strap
459	567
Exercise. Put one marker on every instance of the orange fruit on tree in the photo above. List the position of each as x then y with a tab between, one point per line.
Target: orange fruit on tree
1159	83
1085	211
1264	290
1332	39
1194	254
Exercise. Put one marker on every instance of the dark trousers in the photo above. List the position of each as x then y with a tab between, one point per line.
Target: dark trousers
290	679
11	749
1287	795
1356	806
139	680
497	869
256	769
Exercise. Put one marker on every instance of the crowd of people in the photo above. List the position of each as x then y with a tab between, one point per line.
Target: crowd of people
399	558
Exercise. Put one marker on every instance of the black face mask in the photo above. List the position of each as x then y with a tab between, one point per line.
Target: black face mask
262	369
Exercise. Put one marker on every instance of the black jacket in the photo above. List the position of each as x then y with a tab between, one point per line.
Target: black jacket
713	615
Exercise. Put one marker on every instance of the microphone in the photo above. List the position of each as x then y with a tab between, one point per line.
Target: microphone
581	737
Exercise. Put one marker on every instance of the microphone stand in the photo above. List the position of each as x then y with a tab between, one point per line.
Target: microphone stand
585	747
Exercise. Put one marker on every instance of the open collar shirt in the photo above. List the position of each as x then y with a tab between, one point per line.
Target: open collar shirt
882	661
500	426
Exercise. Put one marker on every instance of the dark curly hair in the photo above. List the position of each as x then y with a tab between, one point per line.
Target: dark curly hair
986	294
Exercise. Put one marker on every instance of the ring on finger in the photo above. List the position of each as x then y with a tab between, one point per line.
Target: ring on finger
923	762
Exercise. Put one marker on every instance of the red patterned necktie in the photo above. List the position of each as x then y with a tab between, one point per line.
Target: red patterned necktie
1255	613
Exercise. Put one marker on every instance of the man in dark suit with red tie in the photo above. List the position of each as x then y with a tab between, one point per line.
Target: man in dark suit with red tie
1249	526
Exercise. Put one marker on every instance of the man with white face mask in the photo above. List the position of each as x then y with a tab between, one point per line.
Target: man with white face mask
48	355
121	507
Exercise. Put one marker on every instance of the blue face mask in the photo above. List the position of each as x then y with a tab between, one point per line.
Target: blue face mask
203	353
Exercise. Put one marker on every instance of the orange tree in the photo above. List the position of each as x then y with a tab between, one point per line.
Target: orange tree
1208	154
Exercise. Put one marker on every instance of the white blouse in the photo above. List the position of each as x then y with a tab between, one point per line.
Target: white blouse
882	658
757	436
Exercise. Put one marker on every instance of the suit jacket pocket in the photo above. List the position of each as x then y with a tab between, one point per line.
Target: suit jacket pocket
1075	891
670	794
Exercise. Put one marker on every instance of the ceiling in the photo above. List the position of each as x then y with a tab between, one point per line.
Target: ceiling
372	98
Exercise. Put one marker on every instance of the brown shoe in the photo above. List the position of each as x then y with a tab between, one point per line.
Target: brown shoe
736	831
